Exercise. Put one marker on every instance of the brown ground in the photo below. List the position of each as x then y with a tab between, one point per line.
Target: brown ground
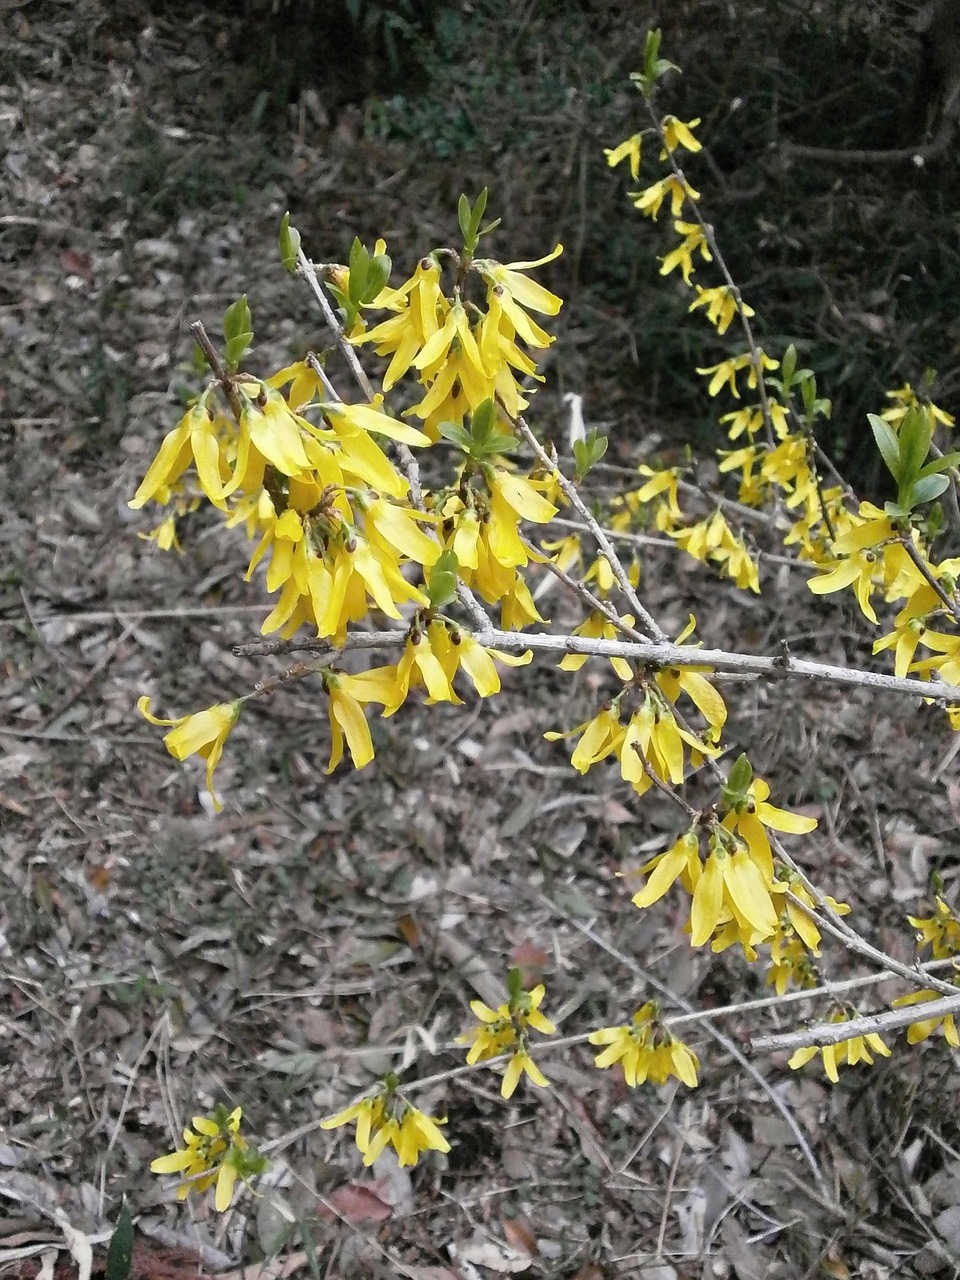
155	960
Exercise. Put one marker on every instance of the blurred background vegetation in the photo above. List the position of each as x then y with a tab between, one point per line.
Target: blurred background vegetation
372	116
854	259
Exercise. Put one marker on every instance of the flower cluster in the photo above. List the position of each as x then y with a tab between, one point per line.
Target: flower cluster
845	1052
337	533
386	1119
213	1153
646	1050
506	1030
463	352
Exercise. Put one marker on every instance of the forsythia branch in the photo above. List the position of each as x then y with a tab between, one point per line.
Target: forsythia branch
654	654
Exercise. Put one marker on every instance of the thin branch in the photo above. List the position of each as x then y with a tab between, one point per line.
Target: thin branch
651	653
714	247
867	1024
723	1040
572	494
929	577
308	271
227	384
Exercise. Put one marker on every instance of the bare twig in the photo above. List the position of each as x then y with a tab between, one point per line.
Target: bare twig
655	654
866	1024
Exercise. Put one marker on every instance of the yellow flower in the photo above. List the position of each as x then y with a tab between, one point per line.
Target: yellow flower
681	859
665	482
677	134
918	1031
789	963
364	417
732	884
904	641
369	1115
194	438
403	336
694	239
947	660
457	649
628	150
385	1119
525	292
203	733
856	1049
600	737
791	914
347	720
940	932
597	626
412	1133
646	1050
164	535
521	1063
650	200
722	308
506	1028
214	1152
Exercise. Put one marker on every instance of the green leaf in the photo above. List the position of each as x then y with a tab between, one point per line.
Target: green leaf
464	213
939	464
479	209
378	273
443	579
887	443
236	319
927	489
494	445
483	421
915	433
359	265
741	775
515	985
587	453
289	243
237	331
120	1249
456	435
788	366
651	53
808	393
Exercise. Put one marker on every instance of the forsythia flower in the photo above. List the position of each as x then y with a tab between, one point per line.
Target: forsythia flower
856	1049
506	1028
646	1050
677	134
203	733
789	962
598	626
722	306
940	932
649	200
792	916
347	720
629	150
924	1027
388	1120
682	256
214	1153
195	438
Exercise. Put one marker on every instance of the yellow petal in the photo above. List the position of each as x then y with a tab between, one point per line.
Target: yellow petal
707	902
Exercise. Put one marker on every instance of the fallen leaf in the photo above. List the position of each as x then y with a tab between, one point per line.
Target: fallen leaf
519	1235
354	1203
